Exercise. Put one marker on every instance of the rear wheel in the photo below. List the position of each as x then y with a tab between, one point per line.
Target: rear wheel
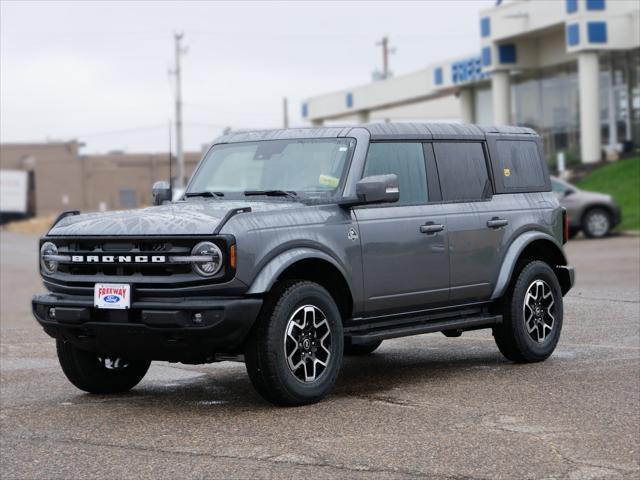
532	315
99	374
360	348
294	351
596	223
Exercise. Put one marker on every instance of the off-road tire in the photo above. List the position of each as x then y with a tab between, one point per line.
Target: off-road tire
511	335
85	371
360	348
265	357
588	230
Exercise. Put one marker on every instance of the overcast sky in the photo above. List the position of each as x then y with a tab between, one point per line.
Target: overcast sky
99	71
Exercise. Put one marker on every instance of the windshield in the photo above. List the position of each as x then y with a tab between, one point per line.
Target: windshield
312	167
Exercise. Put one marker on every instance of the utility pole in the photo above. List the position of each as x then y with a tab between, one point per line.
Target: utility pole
386	51
179	154
285	113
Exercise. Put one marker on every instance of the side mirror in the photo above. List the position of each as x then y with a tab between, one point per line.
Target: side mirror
569	191
160	193
376	189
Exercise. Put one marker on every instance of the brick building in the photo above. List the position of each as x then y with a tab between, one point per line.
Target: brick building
61	178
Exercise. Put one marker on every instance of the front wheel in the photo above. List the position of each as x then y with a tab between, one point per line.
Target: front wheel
294	351
99	374
532	315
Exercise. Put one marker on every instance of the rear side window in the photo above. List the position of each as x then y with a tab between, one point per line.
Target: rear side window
462	169
519	165
405	160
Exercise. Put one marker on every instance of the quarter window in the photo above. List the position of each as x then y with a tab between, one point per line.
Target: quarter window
520	164
462	169
406	160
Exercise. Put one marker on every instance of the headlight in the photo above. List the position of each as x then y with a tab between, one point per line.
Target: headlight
211	267
49	266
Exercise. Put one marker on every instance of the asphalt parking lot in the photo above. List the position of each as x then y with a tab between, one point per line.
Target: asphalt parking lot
421	407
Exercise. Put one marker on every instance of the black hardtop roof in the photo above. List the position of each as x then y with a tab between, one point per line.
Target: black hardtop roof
382	131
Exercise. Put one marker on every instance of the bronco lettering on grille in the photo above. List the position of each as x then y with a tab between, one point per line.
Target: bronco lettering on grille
118	259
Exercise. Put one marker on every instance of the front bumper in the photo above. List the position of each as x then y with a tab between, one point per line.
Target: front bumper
152	329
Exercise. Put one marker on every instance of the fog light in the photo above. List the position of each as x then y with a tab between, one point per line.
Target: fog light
52	312
197	318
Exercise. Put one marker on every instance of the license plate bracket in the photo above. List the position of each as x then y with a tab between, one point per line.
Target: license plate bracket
112	296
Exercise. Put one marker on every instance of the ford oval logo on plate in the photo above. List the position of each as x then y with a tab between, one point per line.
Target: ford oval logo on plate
112	299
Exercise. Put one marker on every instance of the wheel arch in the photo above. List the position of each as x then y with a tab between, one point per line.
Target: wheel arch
307	264
532	246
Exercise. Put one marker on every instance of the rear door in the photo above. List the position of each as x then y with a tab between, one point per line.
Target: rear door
404	244
476	227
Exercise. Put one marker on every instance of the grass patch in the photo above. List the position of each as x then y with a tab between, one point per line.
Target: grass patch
622	181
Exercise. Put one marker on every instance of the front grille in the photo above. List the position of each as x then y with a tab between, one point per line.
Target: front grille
125	248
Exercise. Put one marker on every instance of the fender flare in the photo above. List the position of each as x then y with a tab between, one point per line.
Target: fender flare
273	269
513	253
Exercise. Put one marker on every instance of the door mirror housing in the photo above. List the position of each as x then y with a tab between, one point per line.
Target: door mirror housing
376	189
569	191
160	192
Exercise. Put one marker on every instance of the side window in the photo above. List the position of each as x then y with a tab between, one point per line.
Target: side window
520	166
405	160
462	169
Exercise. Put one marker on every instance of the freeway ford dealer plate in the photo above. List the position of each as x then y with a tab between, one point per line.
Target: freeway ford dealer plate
112	295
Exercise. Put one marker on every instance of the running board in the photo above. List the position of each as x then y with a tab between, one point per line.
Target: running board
416	328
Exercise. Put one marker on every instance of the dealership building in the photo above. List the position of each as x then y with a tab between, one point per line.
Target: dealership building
570	69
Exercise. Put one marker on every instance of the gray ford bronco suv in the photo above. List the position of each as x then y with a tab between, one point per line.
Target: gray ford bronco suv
291	248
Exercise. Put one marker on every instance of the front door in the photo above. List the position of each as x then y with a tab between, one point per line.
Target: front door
404	244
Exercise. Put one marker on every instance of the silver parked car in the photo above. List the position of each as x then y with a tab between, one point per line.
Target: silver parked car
596	214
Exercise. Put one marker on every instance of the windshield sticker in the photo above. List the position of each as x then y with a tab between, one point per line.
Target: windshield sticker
328	180
343	149
506	172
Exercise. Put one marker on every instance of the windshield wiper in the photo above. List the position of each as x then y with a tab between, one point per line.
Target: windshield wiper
204	194
272	193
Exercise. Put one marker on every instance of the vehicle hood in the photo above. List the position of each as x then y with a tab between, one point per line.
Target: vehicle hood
195	217
591	197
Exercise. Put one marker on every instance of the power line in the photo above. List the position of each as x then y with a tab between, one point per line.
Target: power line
119	131
209	108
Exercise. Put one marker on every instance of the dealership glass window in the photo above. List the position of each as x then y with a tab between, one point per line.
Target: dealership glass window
620	99
462	170
547	101
405	159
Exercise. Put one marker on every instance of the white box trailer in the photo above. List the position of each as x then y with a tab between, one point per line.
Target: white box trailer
14	186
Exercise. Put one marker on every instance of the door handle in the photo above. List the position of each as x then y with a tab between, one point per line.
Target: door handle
497	222
430	228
